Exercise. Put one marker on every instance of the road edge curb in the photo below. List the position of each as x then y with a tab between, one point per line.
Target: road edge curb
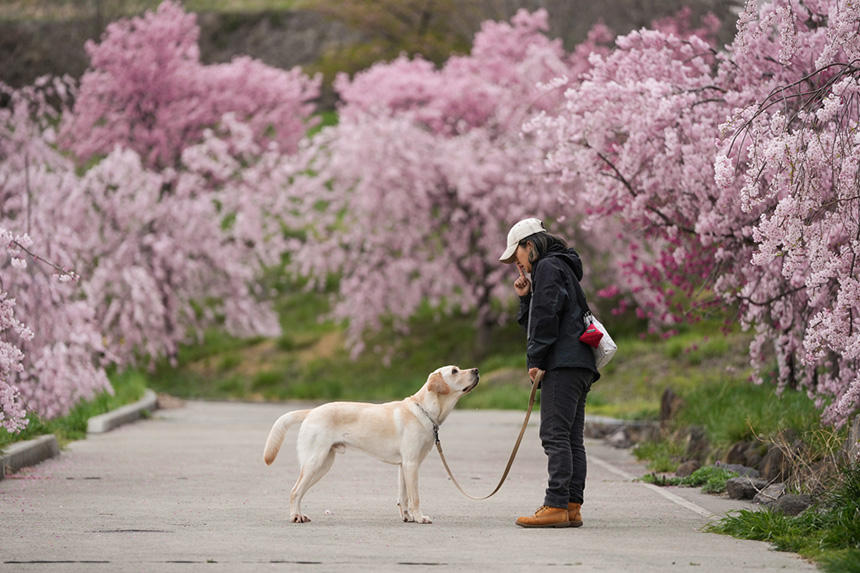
28	453
31	452
123	415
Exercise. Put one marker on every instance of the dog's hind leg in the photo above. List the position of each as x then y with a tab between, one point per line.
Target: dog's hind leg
312	470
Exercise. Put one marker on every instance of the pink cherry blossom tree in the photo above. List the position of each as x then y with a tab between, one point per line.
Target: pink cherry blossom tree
179	251
164	244
13	333
635	142
731	174
51	349
147	90
790	152
189	194
160	255
410	196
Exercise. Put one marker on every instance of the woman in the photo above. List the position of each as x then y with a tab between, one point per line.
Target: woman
552	305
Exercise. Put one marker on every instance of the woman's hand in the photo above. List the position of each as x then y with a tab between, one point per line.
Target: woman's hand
522	285
536	374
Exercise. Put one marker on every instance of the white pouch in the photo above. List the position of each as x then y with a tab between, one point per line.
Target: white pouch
606	348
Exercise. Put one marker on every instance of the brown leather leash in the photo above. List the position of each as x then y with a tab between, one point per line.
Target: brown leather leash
510	460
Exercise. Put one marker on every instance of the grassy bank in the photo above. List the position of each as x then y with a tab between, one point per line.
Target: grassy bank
730	409
828	532
310	361
734	410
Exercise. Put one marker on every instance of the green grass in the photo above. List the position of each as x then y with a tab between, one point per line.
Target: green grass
128	387
323	119
661	456
828	532
310	361
731	409
711	479
735	410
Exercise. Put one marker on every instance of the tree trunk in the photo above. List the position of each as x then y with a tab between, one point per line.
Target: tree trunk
483	337
852	444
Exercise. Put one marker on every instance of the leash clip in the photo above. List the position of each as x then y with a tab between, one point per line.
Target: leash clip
436	432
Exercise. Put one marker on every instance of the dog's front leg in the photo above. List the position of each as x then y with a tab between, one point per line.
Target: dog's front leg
410	475
402	499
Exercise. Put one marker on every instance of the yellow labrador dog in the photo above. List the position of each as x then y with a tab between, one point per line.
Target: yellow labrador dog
395	432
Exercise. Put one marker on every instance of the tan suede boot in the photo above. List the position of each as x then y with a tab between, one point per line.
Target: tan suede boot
574	515
546	516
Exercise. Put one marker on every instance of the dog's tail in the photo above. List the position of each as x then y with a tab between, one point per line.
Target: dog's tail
278	431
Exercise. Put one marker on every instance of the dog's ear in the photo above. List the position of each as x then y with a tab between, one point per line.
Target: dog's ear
437	384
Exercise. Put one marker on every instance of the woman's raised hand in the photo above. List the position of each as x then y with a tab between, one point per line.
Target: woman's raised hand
522	285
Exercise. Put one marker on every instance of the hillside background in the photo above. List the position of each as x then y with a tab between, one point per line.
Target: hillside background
40	37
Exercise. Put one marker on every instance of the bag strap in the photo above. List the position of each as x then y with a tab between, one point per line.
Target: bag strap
510	460
580	296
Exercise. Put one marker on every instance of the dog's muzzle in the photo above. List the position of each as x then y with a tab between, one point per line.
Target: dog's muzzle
471	386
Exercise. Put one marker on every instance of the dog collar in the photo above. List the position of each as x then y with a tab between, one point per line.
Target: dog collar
432	421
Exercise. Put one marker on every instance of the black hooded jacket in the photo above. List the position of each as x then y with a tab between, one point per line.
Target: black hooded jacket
555	324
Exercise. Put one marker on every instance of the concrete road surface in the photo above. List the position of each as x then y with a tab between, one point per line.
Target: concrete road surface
188	491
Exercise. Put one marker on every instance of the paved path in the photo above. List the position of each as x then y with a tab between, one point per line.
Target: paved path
187	491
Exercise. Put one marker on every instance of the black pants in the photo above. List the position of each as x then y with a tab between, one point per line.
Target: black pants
562	421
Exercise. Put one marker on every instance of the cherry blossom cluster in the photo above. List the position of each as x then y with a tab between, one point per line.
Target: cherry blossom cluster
147	90
652	171
60	347
408	196
13	333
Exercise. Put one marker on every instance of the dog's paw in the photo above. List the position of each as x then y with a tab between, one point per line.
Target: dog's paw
299	518
405	514
424	519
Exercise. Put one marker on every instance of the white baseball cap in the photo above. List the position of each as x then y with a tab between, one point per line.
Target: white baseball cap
518	232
